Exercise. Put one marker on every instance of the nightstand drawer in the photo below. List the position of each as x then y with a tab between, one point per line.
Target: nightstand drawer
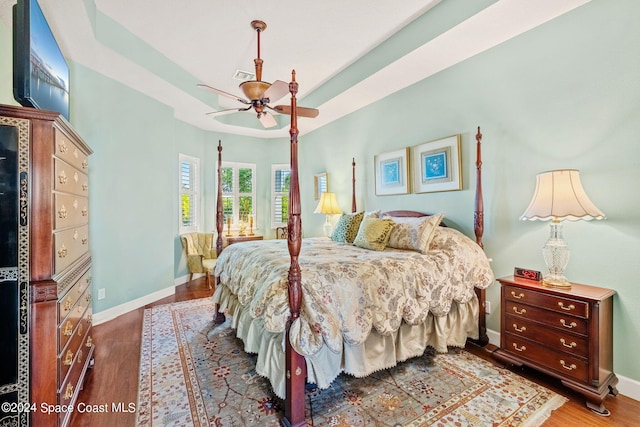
576	345
566	364
551	302
558	320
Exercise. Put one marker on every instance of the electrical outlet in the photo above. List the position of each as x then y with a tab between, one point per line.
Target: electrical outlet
487	307
102	293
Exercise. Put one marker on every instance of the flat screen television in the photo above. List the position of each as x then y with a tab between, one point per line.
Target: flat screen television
40	72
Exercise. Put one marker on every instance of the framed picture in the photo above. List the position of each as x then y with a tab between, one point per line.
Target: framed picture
392	172
436	165
320	184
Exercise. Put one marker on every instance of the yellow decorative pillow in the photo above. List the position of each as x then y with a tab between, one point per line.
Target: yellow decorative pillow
413	233
374	233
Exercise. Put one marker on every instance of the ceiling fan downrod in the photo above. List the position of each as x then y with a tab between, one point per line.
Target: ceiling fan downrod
259	27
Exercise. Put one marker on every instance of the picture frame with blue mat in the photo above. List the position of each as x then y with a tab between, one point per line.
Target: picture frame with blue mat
392	172
437	165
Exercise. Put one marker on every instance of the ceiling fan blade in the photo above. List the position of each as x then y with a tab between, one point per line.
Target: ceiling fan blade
223	93
267	120
276	91
213	113
302	111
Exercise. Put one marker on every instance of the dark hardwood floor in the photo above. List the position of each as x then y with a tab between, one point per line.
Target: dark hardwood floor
114	379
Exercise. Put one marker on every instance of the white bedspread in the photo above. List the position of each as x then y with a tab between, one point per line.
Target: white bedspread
349	291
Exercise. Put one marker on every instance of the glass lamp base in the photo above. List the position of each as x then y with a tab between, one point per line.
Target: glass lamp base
556	282
556	256
327	228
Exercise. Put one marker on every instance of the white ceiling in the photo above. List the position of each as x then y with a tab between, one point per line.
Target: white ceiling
208	40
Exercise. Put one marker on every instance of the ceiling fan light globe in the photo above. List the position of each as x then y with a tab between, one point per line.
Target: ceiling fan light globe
254	89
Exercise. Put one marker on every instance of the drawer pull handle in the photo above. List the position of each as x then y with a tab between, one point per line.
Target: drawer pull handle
67	305
62	147
568	367
516	348
89	342
564	343
68	394
568	325
515	327
68	329
523	311
80	356
519	296
62	177
80	329
568	308
62	252
68	359
62	212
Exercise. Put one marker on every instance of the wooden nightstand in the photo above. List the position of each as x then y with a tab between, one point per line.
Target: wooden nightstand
230	240
564	333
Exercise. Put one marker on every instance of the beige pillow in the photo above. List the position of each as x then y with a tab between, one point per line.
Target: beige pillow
347	227
374	233
414	234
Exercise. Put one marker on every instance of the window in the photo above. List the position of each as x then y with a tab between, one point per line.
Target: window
238	191
280	181
189	193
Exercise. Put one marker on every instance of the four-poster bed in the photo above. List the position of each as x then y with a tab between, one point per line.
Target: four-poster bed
357	310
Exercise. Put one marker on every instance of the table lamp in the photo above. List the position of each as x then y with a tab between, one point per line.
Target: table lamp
328	205
559	196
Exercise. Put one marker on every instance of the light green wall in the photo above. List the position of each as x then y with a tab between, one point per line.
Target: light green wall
563	95
6	70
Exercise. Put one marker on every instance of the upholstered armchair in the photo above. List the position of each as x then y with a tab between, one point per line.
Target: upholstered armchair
201	254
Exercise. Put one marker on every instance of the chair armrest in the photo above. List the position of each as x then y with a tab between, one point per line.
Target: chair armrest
194	263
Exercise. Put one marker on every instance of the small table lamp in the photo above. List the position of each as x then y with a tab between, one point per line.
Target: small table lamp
328	205
559	196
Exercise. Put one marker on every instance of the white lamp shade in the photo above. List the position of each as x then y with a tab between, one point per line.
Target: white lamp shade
558	196
328	204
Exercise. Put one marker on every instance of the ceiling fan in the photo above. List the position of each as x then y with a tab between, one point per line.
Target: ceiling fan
259	94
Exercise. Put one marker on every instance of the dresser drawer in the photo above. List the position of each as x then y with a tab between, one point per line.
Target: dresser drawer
69	152
552	338
73	351
70	245
73	326
69	179
66	303
563	363
551	302
69	325
70	386
562	321
70	210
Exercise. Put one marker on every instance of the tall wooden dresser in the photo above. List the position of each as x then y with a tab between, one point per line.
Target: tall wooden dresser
56	206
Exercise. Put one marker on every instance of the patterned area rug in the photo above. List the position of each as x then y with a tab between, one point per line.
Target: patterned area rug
187	380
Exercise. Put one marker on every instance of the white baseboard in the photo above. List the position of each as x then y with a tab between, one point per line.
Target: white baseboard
626	386
113	312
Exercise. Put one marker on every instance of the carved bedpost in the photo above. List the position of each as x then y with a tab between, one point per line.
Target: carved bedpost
478	228
219	318
478	217
353	185
296	371
219	212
